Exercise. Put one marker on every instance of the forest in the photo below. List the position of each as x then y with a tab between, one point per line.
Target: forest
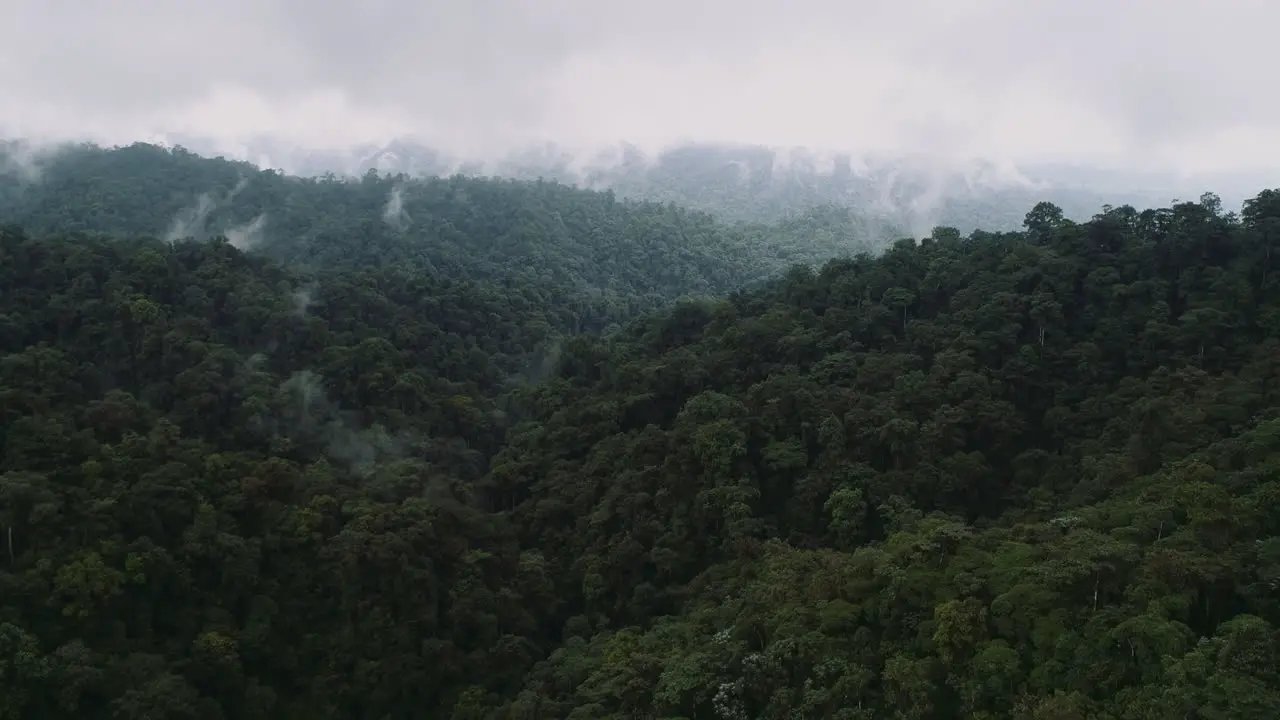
483	449
748	182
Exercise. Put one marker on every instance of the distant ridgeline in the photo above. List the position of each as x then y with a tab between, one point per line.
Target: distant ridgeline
461	226
765	184
274	447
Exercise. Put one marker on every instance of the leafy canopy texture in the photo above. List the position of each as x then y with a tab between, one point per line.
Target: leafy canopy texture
361	470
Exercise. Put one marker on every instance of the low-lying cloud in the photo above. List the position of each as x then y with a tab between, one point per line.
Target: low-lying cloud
393	213
192	221
248	235
1174	85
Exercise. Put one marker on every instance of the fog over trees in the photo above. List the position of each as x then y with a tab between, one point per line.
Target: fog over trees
568	360
461	447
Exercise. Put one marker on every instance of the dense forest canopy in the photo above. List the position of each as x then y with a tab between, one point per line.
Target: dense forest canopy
766	183
378	464
603	258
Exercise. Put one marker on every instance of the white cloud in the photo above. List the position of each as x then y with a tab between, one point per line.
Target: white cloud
1173	84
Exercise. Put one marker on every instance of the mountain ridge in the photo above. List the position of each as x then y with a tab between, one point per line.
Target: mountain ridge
741	182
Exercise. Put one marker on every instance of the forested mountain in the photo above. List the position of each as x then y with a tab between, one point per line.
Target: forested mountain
616	257
352	470
897	194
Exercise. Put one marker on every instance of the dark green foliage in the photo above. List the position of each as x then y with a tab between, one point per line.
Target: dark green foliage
605	259
1028	475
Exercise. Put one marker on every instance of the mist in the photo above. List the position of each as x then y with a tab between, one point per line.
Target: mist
394	213
1001	80
190	223
913	108
311	419
303	297
248	235
23	161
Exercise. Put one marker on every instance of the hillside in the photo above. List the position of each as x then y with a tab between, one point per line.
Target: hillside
363	470
612	253
895	195
1026	476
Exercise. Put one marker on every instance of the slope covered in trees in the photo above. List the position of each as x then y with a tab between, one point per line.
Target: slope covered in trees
891	194
543	233
1025	475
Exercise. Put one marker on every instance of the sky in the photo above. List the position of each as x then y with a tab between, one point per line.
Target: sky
1167	85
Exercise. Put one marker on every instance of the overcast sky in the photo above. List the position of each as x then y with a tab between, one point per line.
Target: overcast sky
1179	84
